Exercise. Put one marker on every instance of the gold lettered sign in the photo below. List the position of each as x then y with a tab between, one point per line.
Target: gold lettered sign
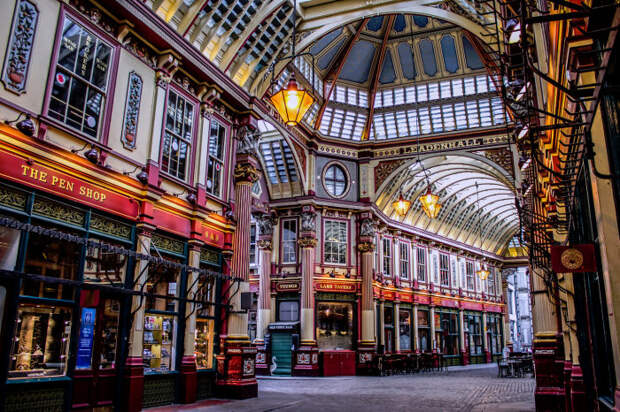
335	287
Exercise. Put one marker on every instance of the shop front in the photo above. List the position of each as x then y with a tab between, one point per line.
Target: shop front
474	337
336	331
63	329
447	335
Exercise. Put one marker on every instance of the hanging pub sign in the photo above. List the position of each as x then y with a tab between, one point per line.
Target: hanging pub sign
573	259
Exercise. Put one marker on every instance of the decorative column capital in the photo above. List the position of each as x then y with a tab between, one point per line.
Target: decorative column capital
247	140
308	220
307	242
264	244
246	173
366	247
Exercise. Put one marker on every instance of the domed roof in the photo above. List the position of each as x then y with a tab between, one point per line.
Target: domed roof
399	76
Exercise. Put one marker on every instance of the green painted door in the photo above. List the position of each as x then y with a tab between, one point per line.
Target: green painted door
281	352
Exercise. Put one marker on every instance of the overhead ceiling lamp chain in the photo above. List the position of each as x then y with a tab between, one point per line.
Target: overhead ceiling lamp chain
483	272
429	200
292	102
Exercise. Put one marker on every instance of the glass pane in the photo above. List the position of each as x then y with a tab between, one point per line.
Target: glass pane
158	348
102	62
109	334
163	282
335	326
203	343
41	343
67	53
50	257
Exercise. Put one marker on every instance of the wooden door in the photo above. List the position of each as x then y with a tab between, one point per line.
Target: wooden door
94	378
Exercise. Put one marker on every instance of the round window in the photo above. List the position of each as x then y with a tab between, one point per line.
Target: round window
335	180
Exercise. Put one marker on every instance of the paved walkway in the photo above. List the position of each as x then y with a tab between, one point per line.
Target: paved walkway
475	388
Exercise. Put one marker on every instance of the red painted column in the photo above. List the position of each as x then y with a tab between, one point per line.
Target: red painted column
306	360
236	374
366	349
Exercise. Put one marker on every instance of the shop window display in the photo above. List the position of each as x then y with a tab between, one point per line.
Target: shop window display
473	333
203	343
54	258
424	331
494	336
388	325
104	267
335	325
447	332
158	343
405	329
41	343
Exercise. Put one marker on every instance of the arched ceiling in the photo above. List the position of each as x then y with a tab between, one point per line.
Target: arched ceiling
398	76
245	37
483	217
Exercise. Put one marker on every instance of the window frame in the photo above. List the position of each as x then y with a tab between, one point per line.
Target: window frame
407	247
294	241
469	275
225	178
103	134
389	257
324	243
423	265
347	179
444	272
253	244
189	178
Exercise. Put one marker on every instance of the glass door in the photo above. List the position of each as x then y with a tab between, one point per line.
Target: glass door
96	361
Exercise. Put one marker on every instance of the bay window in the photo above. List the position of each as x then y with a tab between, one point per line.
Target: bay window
335	242
178	136
79	88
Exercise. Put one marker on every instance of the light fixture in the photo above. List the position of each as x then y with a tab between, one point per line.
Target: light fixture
429	200
402	205
292	103
513	29
430	203
483	272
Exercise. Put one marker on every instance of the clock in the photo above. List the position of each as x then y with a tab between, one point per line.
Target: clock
572	259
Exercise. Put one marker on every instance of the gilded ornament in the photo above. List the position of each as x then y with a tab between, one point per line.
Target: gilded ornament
307	242
209	256
13	198
110	227
168	244
57	211
246	172
572	259
264	244
366	247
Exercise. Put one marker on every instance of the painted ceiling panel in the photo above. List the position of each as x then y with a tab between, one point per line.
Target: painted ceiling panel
471	56
375	23
448	49
427	51
387	73
407	63
399	23
357	67
326	59
420	21
325	40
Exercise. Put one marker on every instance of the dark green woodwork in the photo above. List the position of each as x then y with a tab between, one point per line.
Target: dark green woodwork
281	349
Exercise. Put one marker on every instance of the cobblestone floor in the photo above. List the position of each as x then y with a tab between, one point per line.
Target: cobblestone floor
464	389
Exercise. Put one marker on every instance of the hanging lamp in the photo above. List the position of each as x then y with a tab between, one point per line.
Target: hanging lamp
483	272
401	205
292	102
430	203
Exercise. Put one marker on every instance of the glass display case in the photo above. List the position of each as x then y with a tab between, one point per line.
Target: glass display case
158	343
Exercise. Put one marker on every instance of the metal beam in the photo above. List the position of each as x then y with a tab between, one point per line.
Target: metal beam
376	74
334	71
190	16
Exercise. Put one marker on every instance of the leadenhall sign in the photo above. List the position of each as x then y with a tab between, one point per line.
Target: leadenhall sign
37	176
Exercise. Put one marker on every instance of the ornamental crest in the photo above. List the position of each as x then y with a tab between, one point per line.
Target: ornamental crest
132	111
19	48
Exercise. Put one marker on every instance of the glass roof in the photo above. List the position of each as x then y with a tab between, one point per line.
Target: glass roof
478	201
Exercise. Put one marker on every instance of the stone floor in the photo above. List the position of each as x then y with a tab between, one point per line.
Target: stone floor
474	388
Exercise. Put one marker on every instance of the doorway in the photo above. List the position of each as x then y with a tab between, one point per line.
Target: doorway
281	354
94	379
